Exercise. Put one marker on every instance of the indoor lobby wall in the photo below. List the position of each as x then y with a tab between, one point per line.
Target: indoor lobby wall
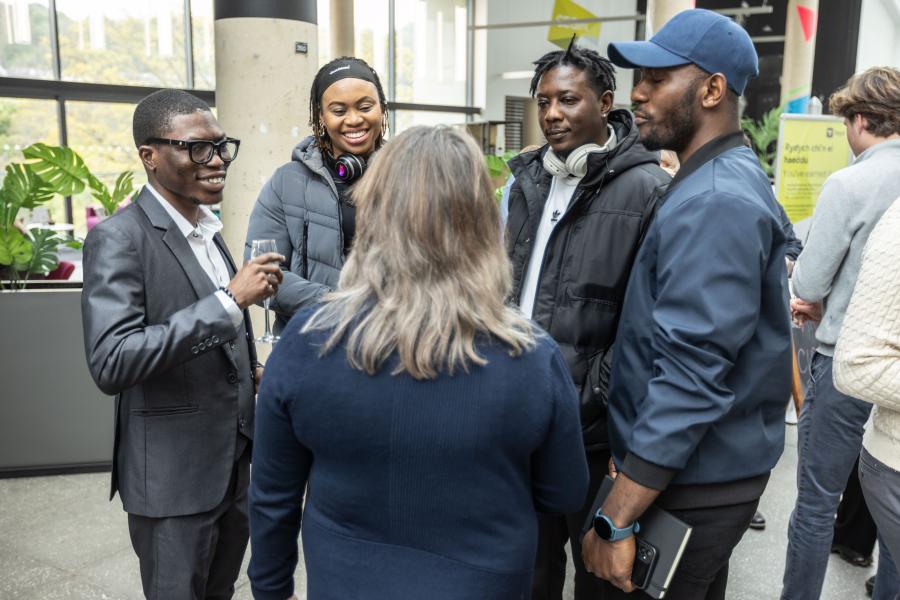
514	50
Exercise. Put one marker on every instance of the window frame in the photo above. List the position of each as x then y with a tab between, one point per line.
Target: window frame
61	91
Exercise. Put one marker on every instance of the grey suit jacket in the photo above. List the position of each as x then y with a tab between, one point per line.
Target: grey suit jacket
157	337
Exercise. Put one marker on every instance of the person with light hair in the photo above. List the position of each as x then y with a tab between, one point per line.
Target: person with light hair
830	428
430	420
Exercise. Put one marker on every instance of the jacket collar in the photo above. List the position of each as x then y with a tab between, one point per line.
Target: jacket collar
877	148
158	216
177	243
307	153
207	223
706	153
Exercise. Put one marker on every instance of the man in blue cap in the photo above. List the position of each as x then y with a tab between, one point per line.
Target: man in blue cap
701	371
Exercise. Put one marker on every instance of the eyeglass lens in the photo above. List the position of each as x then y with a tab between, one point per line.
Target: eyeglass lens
202	152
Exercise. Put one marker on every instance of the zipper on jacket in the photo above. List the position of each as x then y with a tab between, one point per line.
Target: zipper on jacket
575	200
304	265
580	193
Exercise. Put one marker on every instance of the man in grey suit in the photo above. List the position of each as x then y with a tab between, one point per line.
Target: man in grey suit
166	331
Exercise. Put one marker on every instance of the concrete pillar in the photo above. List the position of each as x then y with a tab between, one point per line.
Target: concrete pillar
799	54
660	11
263	76
342	31
531	125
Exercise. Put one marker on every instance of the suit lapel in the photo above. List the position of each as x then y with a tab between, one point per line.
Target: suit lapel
175	240
232	271
181	249
220	243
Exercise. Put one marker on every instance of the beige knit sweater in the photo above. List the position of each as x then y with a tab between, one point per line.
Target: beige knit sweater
867	356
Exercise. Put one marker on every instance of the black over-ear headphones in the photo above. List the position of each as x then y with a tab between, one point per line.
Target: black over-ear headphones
349	167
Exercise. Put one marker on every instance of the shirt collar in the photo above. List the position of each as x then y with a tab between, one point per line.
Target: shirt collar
208	225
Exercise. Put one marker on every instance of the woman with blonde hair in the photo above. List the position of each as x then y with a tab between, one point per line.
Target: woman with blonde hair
429	420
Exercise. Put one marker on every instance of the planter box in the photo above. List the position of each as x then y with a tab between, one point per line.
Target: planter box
54	417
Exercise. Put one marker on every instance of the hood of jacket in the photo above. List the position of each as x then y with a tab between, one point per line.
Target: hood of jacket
308	154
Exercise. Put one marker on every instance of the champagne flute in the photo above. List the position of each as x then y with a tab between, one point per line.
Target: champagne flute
258	248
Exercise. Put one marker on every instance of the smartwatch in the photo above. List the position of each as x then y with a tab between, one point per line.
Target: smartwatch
606	530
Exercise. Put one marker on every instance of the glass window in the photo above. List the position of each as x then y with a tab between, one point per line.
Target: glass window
109	41
101	133
25	122
203	38
25	39
431	51
370	23
404	119
323	31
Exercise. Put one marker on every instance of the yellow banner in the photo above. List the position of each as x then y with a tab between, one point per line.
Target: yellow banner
809	150
564	10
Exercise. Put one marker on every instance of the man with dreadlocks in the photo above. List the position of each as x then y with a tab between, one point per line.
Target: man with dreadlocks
577	210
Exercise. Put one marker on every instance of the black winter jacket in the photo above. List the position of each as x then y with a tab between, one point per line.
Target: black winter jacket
588	256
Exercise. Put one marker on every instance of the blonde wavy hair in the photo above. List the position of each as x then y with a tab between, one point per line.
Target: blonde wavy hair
874	94
428	274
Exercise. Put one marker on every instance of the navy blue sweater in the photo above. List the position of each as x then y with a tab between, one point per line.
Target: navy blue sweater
417	489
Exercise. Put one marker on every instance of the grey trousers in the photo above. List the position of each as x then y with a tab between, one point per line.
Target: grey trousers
195	557
881	488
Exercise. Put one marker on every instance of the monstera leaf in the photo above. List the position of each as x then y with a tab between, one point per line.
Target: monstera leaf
15	249
44	243
59	166
110	201
22	188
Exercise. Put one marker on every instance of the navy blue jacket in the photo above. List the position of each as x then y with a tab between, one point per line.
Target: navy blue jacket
702	367
417	489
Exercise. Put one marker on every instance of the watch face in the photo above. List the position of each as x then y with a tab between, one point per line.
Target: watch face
603	527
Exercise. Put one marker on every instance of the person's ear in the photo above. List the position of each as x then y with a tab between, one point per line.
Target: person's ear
148	156
713	90
860	123
606	102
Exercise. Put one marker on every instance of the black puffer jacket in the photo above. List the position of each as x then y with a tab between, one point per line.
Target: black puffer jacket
588	256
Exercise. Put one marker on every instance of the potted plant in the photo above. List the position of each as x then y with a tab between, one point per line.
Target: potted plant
763	134
498	169
50	171
55	418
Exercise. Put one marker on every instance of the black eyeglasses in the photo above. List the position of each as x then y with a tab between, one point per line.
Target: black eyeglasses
201	151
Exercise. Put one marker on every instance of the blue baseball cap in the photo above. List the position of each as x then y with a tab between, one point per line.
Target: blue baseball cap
709	40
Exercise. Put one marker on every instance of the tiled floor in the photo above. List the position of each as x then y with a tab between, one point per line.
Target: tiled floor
61	539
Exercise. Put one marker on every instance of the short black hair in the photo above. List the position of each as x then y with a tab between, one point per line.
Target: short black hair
315	101
153	115
601	73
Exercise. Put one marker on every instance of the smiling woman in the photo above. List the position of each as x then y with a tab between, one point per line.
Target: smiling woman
307	207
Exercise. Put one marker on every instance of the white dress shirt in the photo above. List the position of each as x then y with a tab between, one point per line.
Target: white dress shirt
200	239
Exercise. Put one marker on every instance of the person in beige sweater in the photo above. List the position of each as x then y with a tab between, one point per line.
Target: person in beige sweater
867	366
